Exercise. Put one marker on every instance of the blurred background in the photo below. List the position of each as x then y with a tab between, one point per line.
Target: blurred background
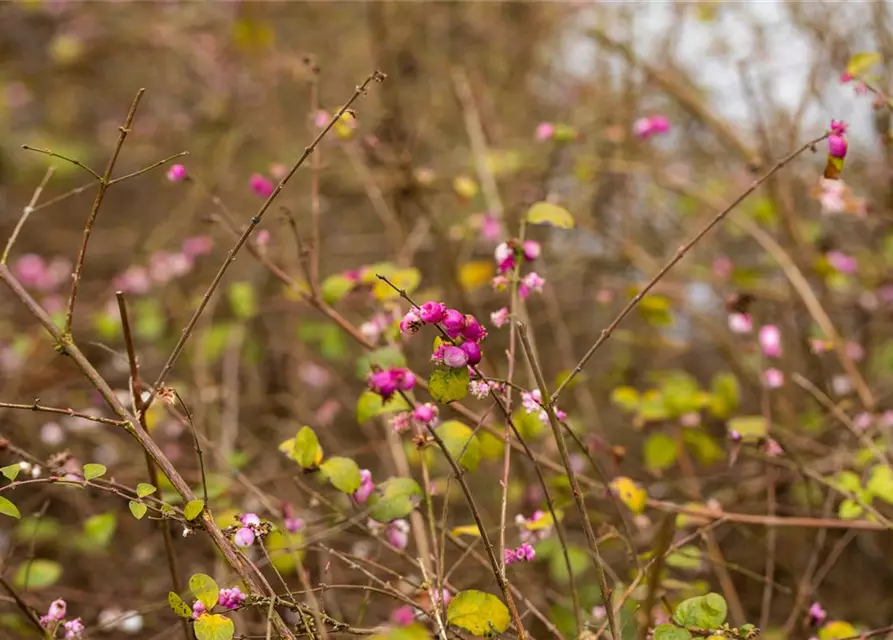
487	108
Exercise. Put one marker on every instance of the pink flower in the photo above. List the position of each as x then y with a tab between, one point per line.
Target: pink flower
262	238
261	185
403	616
472	351
770	340
231	598
489	227
410	323
505	257
250	520
480	389
398	534
400	422
846	77
176	173
197	246
165	266
362	494
841	262
772	448
455	357
500	317
773	378
855	351
454	323
817	614
651	125
432	312
531	282
544	131
321	118
383	383
425	413
74	629
57	610
198	609
244	537
31	271
837	143
532	250
473	329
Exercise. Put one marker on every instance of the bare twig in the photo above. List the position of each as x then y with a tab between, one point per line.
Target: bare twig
104	182
26	212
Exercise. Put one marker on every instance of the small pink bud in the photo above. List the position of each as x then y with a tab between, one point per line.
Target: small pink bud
398	534
404	378
740	323
544	131
244	537
261	185
383	383
770	340
532	250
817	614
773	378
362	494
176	173
425	413
57	609
846	77
198	608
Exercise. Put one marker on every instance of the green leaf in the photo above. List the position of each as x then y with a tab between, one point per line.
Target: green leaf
213	626
138	509
750	428
193	508
704	612
687	557
703	446
880	482
480	613
93	471
849	510
370	405
306	451
461	443
150	319
33	530
848	481
384	358
100	528
178	606
656	310
144	489
448	385
670	632
11	471
406	279
548	213
398	497
529	425
334	288
627	398
285	549
558	567
343	473
660	452
38	574
9	509
861	62
725	396
204	589
242	299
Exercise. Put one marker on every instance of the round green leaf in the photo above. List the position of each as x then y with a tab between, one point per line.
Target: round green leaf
93	471
371	405
178	606
144	489
704	612
334	288
880	482
480	613
285	549
548	213
9	509
660	452
461	443
849	510
670	632
193	508
242	299
306	451
343	473
448	385
138	509
204	589
100	528
38	574
398	497
213	626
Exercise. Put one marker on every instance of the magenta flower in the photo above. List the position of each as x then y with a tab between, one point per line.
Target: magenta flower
31	271
505	257
817	614
321	119
425	413
544	131
403	616
453	323
250	520
841	262
650	126
401	422
473	329
770	340
383	383
261	185
362	494
432	312
231	598
472	351
198	609
176	173
410	323
837	143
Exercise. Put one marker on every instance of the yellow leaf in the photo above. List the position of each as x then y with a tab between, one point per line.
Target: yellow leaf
465	187
630	493
405	279
862	62
475	274
467	530
548	213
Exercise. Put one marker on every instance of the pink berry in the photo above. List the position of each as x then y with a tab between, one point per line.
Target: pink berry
472	351
455	357
432	312
453	323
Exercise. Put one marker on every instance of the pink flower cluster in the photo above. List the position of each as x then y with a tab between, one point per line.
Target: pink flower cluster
532	401
770	341
387	382
463	329
164	266
651	125
524	553
33	272
507	256
231	598
55	616
423	415
247	533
